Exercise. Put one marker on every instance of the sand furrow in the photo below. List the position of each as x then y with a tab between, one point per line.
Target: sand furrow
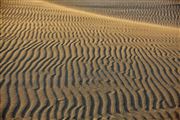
165	85
60	63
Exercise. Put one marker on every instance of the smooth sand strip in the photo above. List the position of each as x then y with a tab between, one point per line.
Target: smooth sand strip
163	12
48	4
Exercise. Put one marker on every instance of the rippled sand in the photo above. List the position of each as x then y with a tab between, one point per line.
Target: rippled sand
58	63
163	12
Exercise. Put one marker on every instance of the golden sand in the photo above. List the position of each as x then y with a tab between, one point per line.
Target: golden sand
58	63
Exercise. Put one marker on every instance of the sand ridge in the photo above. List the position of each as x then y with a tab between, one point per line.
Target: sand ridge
61	63
48	3
163	12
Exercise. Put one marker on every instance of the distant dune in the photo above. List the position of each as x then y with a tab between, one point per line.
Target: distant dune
163	12
59	63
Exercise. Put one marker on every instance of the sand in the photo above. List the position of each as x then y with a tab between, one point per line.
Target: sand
163	12
58	63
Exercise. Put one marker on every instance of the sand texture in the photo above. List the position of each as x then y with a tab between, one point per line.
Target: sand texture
163	12
58	63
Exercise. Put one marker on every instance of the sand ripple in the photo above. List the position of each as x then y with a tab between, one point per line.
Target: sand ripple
60	63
